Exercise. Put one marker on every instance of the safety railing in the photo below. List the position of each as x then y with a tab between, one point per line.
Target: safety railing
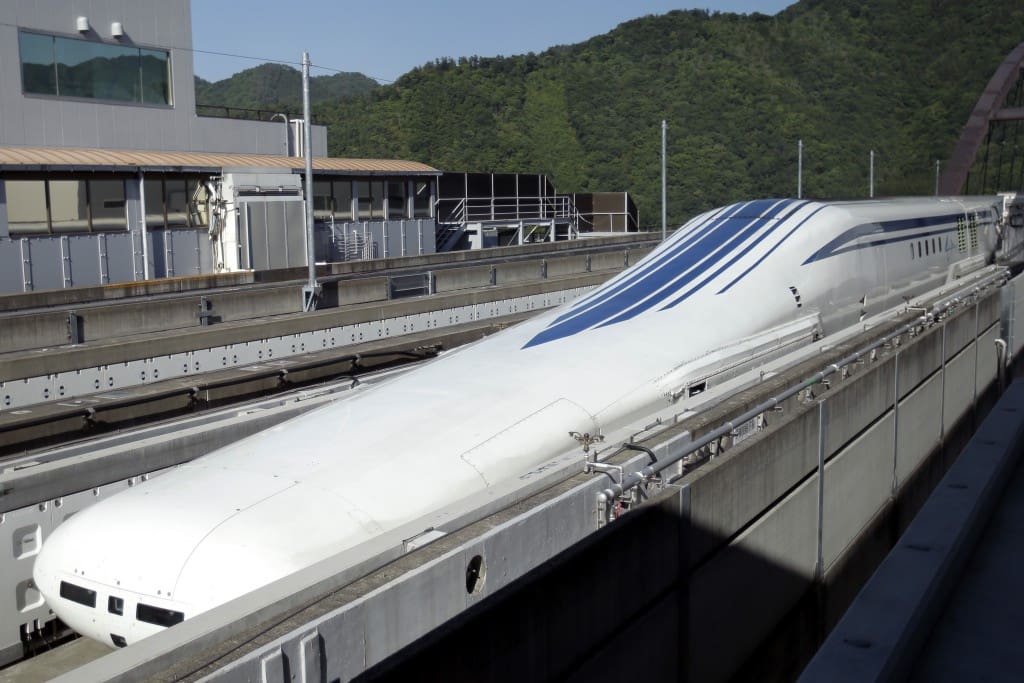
631	487
496	209
350	245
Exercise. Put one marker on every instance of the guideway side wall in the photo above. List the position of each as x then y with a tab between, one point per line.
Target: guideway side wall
738	567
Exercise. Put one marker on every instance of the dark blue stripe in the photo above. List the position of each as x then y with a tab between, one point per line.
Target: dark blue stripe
686	265
769	252
715	220
732	261
686	239
895	240
684	269
837	245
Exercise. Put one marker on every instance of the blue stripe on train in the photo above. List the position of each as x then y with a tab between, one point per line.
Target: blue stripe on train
672	272
674	246
842	243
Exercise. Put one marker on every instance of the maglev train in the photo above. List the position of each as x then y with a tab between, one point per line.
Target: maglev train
232	521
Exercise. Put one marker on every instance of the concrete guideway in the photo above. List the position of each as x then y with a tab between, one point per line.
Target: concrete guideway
95	413
945	604
121	381
703	574
134	355
41	319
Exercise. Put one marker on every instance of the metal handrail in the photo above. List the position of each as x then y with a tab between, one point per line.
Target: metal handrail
241	113
509	208
523	208
930	316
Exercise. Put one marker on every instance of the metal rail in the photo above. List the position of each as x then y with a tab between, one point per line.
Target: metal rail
465	260
91	415
930	316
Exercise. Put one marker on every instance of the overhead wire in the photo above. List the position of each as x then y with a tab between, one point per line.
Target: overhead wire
288	62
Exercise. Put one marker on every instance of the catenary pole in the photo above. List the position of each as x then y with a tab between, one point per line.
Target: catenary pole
664	181
311	291
871	175
800	169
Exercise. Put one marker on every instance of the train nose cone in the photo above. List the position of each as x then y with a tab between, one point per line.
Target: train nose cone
67	589
102	564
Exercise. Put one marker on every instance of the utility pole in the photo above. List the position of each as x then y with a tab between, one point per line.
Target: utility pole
936	177
664	182
800	169
311	291
871	176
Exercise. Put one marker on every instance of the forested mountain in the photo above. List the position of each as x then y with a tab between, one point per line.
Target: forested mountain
279	87
846	76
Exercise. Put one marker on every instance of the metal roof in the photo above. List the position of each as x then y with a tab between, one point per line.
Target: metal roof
80	158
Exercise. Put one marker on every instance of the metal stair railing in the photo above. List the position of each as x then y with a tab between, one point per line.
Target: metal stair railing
508	210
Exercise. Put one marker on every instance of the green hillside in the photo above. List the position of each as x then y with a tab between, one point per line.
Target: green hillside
846	76
277	87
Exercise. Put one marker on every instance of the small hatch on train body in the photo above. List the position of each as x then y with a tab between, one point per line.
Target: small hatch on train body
115	605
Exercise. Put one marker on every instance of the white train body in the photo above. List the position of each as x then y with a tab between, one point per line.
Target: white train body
336	477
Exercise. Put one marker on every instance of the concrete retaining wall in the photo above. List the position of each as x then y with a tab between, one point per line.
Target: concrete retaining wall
41	330
462	278
569	265
48	329
608	261
691	586
520	271
752	533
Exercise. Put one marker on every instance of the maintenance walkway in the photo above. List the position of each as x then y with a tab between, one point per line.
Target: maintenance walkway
946	604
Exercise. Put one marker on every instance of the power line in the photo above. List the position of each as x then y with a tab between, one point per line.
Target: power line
294	63
280	61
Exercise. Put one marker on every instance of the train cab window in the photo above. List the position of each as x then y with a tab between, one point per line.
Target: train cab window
158	615
115	605
83	596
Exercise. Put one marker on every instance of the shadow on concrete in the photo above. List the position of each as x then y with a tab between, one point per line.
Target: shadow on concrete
614	605
633	600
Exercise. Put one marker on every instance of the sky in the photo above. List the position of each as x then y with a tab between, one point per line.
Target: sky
386	38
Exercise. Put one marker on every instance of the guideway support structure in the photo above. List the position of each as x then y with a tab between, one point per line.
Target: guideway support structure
745	552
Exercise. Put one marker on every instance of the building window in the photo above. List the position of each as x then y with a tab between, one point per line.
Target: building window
26	206
70	67
342	191
396	199
65	205
153	195
38	71
323	202
371	198
69	201
421	199
332	199
107	205
175	202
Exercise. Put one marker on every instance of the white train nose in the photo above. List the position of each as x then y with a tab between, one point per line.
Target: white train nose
108	614
73	598
106	571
